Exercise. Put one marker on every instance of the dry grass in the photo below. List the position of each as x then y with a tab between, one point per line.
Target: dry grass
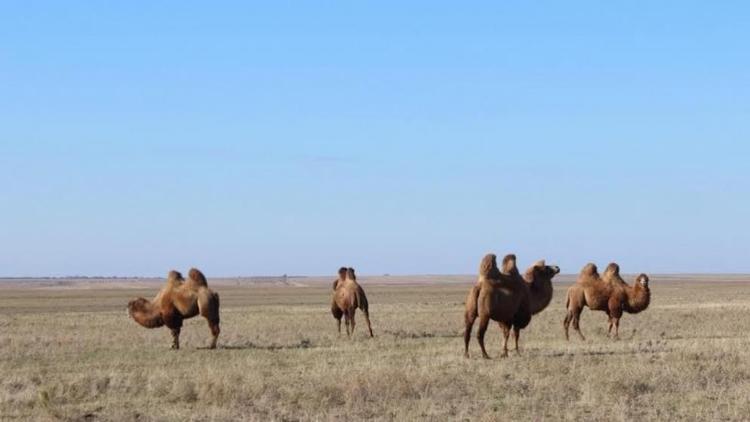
72	354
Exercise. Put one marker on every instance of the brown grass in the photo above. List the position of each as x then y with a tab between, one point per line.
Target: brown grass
70	354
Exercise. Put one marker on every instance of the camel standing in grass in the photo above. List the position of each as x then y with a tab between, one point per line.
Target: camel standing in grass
608	293
506	297
177	301
347	297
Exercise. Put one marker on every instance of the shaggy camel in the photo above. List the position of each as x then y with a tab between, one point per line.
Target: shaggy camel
177	301
506	297
347	297
608	293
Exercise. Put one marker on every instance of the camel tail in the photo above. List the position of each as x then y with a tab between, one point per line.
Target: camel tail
472	309
362	300
213	308
365	307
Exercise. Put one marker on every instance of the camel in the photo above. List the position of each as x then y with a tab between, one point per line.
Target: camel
608	293
177	301
506	297
347	297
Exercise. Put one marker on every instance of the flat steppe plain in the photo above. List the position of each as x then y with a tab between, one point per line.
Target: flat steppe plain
68	351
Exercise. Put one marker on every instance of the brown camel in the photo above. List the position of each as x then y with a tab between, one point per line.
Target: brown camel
347	297
506	297
177	301
608	293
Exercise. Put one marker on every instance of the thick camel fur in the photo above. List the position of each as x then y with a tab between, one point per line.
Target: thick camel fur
348	295
179	300
506	297
608	293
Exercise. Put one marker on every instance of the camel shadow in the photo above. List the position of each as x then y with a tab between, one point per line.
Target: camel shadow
704	337
302	344
401	334
605	353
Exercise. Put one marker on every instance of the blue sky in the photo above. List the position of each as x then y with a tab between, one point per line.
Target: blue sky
296	137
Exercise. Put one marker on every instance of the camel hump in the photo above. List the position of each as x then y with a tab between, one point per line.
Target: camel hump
197	277
590	269
613	268
175	276
488	266
350	274
509	264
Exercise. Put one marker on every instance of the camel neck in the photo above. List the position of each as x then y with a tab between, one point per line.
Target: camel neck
146	313
540	291
638	297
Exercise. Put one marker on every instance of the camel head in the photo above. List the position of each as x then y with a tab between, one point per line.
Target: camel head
642	280
540	270
145	313
509	264
137	305
350	274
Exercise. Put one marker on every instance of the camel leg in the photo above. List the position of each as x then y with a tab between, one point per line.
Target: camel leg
468	324
611	324
506	334
208	307
175	338
516	333
367	319
616	322
215	330
573	316
337	313
483	323
576	324
352	321
346	322
213	324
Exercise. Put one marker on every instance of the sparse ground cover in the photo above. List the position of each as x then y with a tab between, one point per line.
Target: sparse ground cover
71	353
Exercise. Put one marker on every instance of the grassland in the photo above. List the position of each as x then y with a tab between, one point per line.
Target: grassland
69	352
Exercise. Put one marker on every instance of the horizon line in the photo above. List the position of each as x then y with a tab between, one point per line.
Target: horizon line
36	277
